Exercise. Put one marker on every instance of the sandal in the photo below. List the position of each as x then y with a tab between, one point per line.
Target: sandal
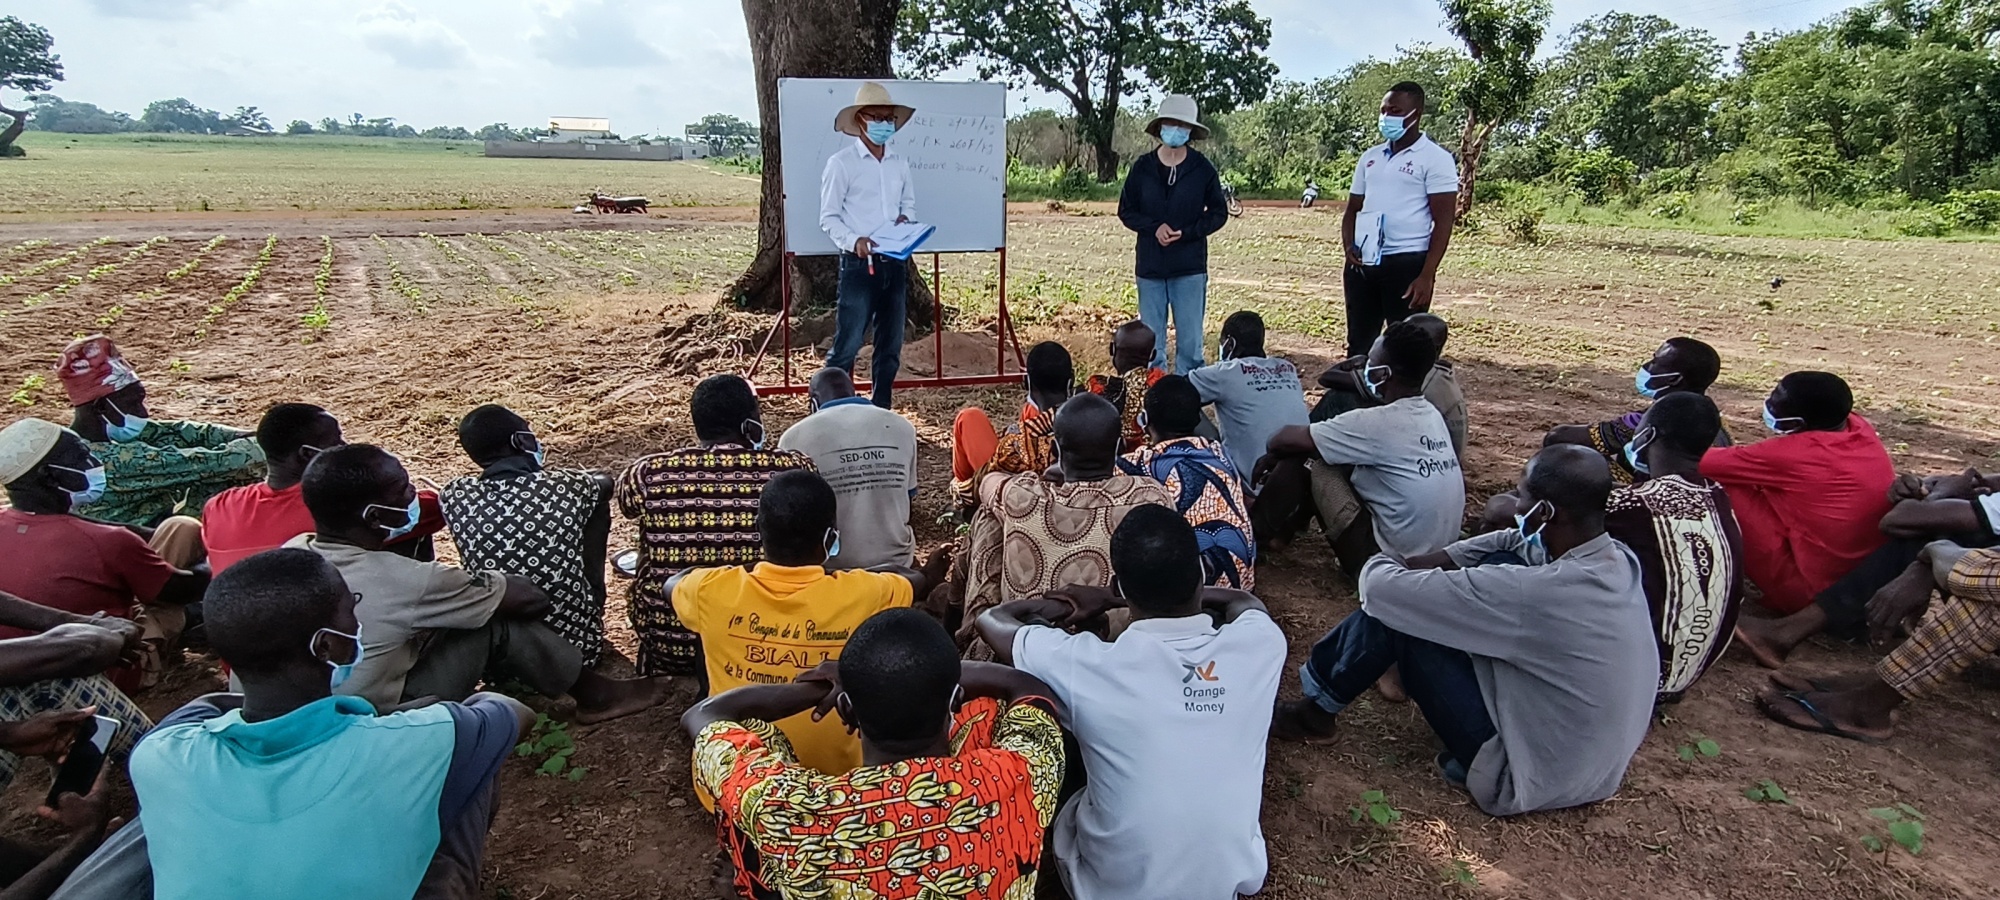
1825	722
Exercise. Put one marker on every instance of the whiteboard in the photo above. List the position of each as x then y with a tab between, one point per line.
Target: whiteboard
956	146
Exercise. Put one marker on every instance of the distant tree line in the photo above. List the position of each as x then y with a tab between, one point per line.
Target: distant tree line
48	112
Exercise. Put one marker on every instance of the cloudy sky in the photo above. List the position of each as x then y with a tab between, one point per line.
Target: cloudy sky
650	65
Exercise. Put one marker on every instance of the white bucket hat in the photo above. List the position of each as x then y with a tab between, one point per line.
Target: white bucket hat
870	94
1178	108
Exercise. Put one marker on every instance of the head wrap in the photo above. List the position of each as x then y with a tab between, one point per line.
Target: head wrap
92	369
23	445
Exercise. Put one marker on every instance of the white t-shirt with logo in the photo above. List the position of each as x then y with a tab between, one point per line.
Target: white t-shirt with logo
1399	187
1173	719
1404	469
869	455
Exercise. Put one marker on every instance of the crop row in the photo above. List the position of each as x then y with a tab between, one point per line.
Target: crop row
96	272
54	263
236	293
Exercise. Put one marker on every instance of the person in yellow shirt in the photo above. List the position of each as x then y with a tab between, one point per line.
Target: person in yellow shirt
770	623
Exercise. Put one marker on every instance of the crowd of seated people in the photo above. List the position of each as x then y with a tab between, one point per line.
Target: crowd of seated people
1090	637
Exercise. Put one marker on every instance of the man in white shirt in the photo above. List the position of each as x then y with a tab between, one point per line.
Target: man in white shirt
1171	718
864	188
869	456
1254	394
1382	478
1405	196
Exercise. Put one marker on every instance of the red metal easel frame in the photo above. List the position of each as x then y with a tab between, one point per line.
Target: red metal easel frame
1004	334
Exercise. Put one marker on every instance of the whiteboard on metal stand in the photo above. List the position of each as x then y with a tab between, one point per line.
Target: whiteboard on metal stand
956	145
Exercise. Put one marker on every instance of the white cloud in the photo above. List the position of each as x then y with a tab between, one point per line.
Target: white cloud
413	42
593	34
157	9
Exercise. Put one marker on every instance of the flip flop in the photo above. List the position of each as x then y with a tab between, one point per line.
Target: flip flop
1785	681
1825	722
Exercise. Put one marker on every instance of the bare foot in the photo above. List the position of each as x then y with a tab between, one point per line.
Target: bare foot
1845	714
1754	640
616	699
1390	686
1793	681
1771	640
1304	722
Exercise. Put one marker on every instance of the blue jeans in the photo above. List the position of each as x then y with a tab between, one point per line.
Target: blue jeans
1438	679
1186	298
881	297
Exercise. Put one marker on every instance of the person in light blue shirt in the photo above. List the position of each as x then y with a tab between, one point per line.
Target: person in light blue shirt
311	794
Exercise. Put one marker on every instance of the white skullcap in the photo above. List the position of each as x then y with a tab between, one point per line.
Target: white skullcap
23	445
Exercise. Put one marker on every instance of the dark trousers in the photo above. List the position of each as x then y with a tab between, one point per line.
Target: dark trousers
454	662
1335	402
1439	679
1846	601
1375	297
881	298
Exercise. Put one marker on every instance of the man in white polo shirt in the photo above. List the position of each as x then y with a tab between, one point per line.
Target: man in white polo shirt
1171	718
864	187
1403	204
869	456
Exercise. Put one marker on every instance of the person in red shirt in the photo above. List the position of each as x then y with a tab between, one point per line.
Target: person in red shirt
245	521
72	564
1810	501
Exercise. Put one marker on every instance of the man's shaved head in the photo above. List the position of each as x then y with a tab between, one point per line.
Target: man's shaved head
1433	326
830	384
1131	346
1088	431
1573	478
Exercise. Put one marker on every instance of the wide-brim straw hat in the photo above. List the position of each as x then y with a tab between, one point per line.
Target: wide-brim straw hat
1178	108
870	94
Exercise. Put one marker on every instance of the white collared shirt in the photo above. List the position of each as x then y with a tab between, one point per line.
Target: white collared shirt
1400	186
859	194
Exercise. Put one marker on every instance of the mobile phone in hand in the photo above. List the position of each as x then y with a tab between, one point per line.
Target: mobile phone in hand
79	770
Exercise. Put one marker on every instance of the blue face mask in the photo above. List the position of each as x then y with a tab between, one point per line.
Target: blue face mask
879	133
93	486
1775	424
1175	135
415	511
127	430
1364	378
1392	127
540	452
832	543
1532	538
1650	384
754	430
341	671
1635	450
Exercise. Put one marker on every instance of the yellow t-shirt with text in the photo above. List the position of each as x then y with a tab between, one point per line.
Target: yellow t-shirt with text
768	624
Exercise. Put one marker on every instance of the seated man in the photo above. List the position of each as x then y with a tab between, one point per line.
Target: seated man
869	455
1126	834
1962	508
1681	527
1131	374
977	448
1399	489
1254	395
152	469
954	798
1344	392
1502	656
1198	476
550	526
434	630
1035	531
1810	500
1682	365
63	561
770	623
1957	632
244	521
696	506
273	772
53	678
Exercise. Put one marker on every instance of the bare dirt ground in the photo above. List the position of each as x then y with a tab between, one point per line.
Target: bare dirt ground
597	335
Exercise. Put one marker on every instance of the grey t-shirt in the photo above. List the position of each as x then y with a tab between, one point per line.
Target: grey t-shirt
869	455
1404	469
1565	655
1254	396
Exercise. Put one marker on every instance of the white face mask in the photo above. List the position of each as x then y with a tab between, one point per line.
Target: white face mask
341	671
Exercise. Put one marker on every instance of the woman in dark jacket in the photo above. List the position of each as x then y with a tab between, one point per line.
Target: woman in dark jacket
1173	199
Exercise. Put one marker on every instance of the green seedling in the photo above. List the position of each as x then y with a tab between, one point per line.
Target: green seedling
1767	791
550	740
1460	872
30	390
1701	746
1906	828
1374	808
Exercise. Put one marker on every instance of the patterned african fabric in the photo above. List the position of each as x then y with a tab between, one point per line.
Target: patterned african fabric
696	506
171	468
1957	632
1029	446
1691	562
1030	537
1206	490
1127	391
959	827
18	702
531	525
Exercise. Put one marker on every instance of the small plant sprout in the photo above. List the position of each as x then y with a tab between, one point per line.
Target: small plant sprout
179	366
30	390
1699	746
550	740
1767	791
1906	829
1459	872
1374	808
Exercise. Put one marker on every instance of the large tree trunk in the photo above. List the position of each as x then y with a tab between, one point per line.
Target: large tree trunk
809	39
1471	146
13	131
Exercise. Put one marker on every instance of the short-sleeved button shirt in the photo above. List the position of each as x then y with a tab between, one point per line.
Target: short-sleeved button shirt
1399	187
76	565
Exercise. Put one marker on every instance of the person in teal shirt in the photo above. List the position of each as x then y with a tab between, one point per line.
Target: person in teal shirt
315	795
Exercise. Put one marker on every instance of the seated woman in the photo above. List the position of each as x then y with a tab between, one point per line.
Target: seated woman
978	448
1681	365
